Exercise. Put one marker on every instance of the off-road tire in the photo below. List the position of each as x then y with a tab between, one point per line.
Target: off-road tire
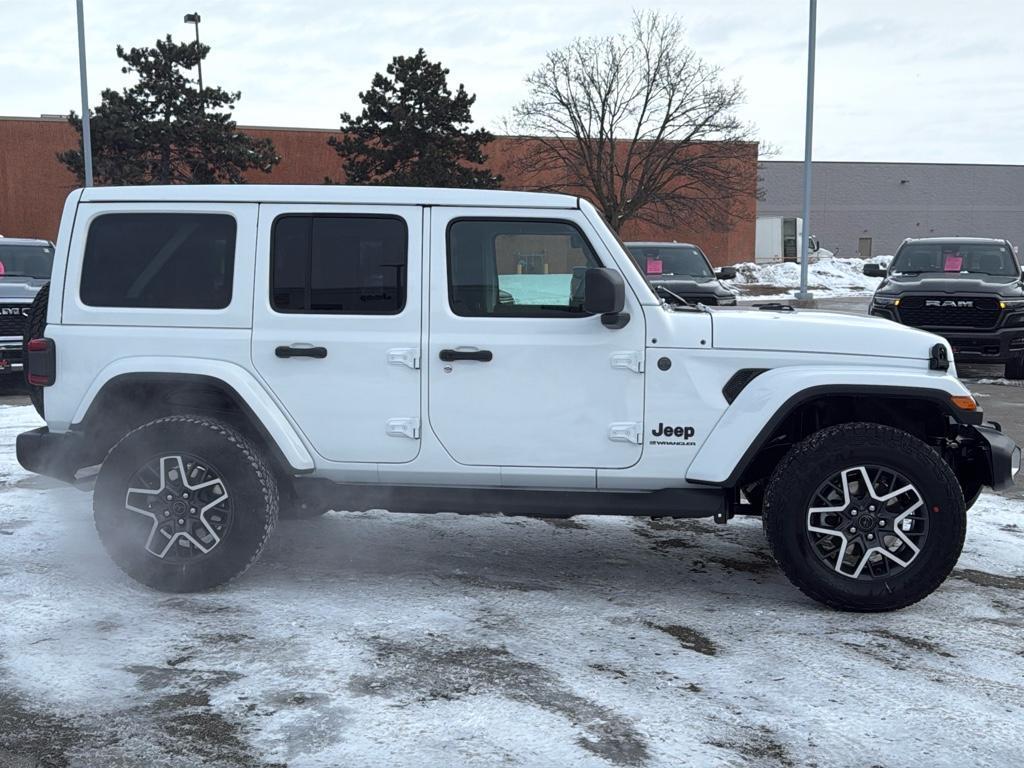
1015	367
35	328
972	490
825	453
246	477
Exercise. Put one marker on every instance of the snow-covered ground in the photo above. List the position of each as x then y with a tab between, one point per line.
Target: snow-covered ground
831	277
369	639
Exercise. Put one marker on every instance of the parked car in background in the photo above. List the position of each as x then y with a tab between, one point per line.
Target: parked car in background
683	269
24	268
967	289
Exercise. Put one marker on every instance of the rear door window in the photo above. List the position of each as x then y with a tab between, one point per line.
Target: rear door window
159	261
339	264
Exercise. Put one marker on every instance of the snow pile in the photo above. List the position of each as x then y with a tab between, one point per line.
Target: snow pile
825	277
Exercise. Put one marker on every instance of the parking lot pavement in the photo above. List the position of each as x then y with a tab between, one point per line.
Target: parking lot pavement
366	638
12	390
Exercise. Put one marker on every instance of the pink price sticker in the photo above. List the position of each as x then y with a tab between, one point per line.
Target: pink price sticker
654	266
953	263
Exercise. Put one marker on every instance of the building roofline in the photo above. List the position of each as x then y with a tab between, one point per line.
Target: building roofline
891	162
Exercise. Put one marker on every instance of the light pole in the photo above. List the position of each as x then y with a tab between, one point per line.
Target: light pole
195	18
803	293
86	133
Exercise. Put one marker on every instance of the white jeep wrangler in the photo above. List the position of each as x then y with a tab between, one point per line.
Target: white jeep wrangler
207	354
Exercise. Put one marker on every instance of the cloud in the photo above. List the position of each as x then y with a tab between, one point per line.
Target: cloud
910	80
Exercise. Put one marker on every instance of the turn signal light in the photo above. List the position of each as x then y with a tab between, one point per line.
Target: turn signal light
964	402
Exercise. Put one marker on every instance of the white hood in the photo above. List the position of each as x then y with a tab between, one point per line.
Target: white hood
814	331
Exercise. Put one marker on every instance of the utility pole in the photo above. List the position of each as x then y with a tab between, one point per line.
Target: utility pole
803	293
195	18
86	134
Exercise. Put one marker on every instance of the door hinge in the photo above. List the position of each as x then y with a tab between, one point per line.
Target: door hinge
407	357
404	428
626	432
630	361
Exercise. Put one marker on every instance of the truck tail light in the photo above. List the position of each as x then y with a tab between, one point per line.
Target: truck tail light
41	362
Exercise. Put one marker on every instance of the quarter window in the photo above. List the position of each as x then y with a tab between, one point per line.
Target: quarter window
159	261
517	268
339	264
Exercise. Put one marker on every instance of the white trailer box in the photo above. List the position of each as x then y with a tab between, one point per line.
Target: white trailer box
777	239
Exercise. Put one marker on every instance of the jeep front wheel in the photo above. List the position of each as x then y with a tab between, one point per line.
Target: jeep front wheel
864	517
184	503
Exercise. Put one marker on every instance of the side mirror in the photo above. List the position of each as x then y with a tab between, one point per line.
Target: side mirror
726	273
604	294
874	270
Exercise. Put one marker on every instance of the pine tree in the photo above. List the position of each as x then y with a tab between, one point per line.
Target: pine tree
414	132
163	130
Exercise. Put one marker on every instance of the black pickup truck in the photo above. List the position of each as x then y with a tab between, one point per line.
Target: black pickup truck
684	270
24	269
968	289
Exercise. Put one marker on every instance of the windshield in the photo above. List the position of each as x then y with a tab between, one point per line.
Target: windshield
683	260
955	258
25	260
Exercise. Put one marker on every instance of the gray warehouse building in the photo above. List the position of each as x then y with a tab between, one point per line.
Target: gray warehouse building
869	208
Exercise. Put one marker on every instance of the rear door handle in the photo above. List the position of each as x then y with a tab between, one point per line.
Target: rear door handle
318	352
480	355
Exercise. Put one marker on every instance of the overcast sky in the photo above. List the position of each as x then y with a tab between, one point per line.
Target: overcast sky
898	80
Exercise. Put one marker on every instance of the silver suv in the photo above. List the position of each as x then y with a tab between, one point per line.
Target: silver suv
24	268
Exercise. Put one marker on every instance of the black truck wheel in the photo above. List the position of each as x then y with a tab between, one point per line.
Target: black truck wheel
35	328
184	503
865	517
1015	367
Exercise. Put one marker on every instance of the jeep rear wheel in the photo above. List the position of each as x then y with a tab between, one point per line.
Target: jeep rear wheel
184	503
864	517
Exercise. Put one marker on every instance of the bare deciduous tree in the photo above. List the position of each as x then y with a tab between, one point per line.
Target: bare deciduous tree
641	124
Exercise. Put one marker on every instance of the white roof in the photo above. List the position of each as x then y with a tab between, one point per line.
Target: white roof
24	241
956	239
657	244
327	193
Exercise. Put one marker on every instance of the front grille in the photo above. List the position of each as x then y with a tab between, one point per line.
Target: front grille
950	312
12	319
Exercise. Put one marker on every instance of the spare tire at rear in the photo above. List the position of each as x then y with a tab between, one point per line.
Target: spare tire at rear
35	328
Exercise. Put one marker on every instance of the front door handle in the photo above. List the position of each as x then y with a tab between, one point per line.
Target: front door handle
480	355
318	352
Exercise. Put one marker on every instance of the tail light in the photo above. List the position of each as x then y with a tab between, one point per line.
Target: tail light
41	365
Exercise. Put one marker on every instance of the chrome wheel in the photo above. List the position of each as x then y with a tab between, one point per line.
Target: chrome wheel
867	522
187	503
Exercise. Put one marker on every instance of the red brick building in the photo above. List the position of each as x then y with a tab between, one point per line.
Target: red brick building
33	183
